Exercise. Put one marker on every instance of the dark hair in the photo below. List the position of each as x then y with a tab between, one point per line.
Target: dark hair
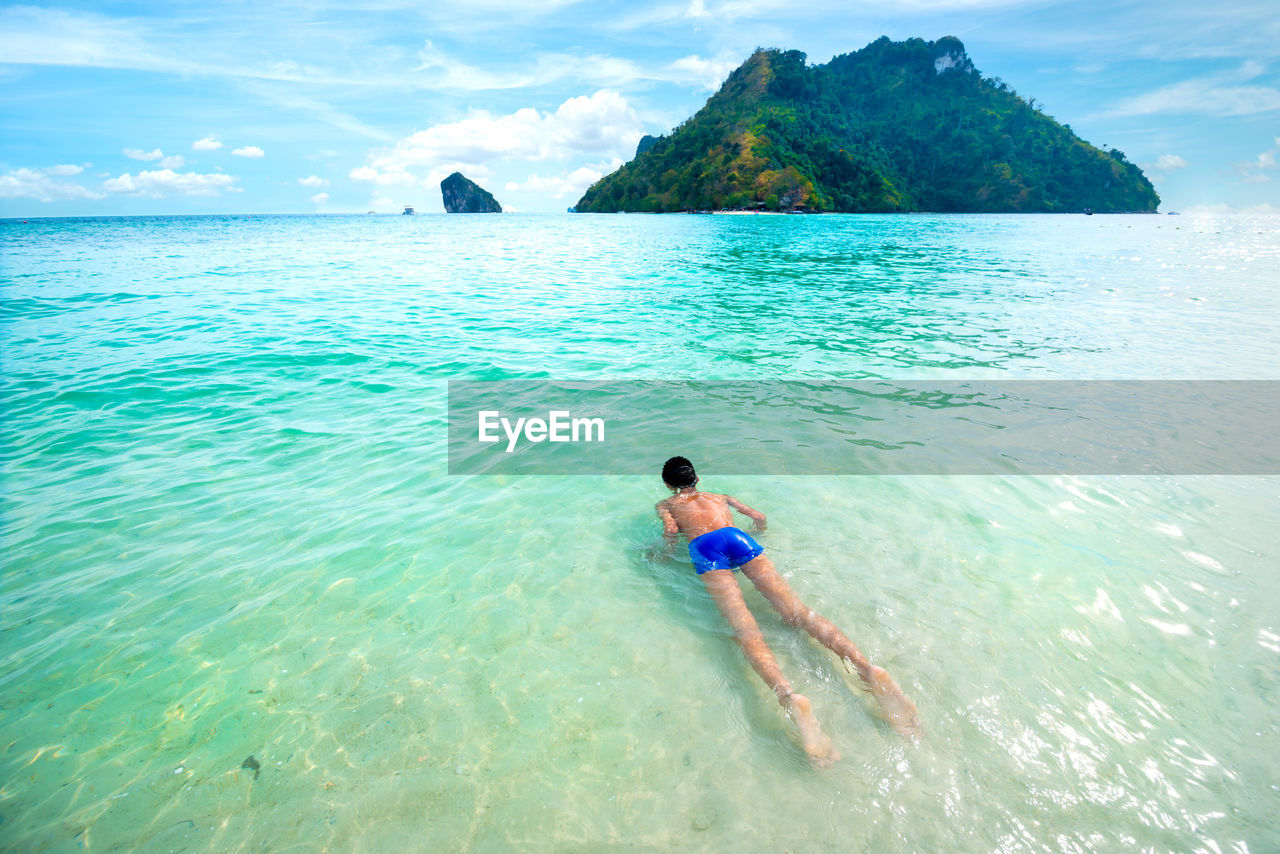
678	472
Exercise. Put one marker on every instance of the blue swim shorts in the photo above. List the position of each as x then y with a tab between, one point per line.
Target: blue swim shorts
723	548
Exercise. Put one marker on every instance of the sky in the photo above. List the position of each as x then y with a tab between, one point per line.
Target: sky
120	108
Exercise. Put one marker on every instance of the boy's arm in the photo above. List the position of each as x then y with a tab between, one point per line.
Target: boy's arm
754	515
670	530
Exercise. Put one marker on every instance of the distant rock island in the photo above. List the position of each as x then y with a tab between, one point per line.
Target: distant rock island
896	126
462	195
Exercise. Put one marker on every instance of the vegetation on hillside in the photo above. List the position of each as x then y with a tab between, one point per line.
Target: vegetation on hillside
896	126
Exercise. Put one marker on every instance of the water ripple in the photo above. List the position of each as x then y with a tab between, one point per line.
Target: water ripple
228	532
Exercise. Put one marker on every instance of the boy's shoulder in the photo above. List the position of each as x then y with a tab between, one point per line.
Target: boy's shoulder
714	496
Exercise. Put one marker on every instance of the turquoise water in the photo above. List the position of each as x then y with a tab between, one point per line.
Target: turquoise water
228	531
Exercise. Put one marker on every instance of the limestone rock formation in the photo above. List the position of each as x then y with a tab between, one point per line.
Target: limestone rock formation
462	195
646	143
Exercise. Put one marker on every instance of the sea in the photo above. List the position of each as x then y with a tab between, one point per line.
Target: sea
245	605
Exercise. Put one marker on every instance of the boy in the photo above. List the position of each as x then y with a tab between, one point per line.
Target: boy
717	548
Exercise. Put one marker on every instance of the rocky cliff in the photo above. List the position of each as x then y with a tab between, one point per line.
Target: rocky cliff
462	195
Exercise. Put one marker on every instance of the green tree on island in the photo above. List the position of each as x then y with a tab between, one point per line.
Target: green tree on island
896	126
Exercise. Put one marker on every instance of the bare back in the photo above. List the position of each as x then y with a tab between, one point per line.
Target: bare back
695	513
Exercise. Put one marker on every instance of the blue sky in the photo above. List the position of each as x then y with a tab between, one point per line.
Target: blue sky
294	107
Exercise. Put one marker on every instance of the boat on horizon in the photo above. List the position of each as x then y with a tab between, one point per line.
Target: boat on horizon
408	210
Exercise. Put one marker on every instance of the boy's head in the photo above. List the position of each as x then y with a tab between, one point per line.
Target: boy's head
678	473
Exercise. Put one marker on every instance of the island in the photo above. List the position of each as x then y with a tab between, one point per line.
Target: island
894	127
462	195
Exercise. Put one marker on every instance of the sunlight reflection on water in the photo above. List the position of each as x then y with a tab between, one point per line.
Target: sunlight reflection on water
228	533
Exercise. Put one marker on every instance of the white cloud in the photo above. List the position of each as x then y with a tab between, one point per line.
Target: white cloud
475	171
314	181
697	9
165	182
156	156
250	151
602	124
386	178
572	184
442	72
1257	170
708	73
430	181
30	35
35	36
362	56
1165	164
285	96
39	184
358	55
1213	94
450	73
208	143
320	198
732	16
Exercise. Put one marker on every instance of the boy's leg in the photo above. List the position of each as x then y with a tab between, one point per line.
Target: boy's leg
898	709
774	587
725	592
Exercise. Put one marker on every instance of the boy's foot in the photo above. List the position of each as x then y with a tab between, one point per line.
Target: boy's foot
817	745
898	709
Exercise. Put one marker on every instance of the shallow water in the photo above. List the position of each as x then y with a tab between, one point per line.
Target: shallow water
228	531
